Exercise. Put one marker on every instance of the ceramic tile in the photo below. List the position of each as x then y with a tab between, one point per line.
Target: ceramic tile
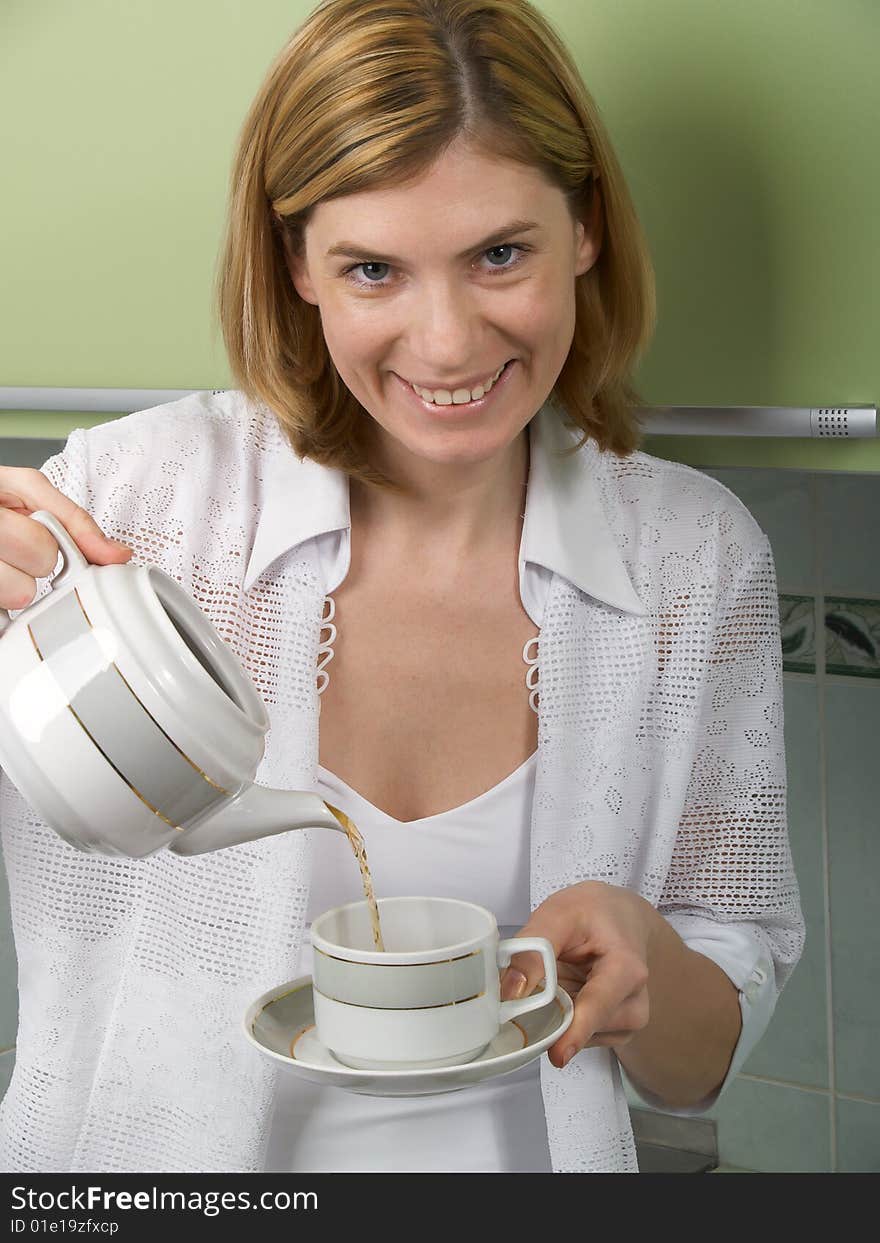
852	637
794	1047
849	518
773	1128
858	1137
8	969
781	503
797	622
852	720
22	451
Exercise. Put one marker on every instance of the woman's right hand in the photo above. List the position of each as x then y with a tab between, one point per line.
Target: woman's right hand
29	551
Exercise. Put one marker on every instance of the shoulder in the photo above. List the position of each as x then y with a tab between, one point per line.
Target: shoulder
177	480
194	440
681	508
192	426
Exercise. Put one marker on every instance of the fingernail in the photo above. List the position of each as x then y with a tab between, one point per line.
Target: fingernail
514	985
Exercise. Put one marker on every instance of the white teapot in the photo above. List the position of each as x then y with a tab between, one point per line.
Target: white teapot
128	724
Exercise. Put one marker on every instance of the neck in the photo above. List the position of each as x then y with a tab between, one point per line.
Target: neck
456	511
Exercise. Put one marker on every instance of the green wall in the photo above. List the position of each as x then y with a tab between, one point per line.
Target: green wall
747	130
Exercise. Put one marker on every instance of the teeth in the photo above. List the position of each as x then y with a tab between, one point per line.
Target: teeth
443	397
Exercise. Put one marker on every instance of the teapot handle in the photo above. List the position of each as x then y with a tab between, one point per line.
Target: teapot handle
73	560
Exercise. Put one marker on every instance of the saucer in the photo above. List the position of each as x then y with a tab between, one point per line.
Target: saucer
281	1025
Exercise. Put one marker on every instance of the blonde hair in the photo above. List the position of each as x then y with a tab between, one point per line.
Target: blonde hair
367	94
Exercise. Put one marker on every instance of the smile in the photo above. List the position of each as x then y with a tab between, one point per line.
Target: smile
446	403
456	396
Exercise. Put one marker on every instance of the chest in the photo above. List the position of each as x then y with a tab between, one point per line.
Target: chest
427	704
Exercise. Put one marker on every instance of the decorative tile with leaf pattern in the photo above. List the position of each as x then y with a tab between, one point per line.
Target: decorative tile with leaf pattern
797	622
852	637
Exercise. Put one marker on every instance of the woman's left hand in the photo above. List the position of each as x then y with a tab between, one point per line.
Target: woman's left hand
601	934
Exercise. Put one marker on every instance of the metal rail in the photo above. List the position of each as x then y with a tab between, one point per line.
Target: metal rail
811	422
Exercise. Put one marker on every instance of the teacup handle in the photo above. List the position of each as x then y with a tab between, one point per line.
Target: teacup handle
514	945
73	560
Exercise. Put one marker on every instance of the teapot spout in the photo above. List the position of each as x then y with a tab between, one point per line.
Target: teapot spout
255	812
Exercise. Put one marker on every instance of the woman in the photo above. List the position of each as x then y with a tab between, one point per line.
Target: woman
432	292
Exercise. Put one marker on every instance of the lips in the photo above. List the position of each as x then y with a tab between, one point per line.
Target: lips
472	390
451	410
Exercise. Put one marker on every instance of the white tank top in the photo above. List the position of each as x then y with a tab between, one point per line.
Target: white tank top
480	852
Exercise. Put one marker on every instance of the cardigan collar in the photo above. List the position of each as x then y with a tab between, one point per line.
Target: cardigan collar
565	530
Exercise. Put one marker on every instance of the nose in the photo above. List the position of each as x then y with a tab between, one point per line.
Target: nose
445	329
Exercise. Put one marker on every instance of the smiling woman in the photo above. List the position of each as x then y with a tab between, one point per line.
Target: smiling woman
433	288
371	139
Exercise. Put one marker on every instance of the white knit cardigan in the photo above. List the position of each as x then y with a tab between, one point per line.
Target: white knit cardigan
660	768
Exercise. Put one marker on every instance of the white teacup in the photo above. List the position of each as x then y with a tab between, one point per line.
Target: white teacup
432	999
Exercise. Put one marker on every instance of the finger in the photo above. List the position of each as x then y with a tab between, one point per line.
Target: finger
17	590
22	492
574	974
614	998
526	970
558	924
610	1039
26	547
11	500
605	1040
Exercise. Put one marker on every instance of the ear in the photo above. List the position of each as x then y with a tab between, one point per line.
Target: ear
589	239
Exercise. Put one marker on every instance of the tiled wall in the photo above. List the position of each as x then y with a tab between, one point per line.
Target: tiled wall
808	1098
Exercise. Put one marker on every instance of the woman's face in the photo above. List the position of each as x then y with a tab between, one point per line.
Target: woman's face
434	284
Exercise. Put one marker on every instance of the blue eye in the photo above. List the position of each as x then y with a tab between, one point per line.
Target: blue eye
369	266
372	265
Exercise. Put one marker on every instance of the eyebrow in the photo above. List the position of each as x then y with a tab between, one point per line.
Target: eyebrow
355	251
